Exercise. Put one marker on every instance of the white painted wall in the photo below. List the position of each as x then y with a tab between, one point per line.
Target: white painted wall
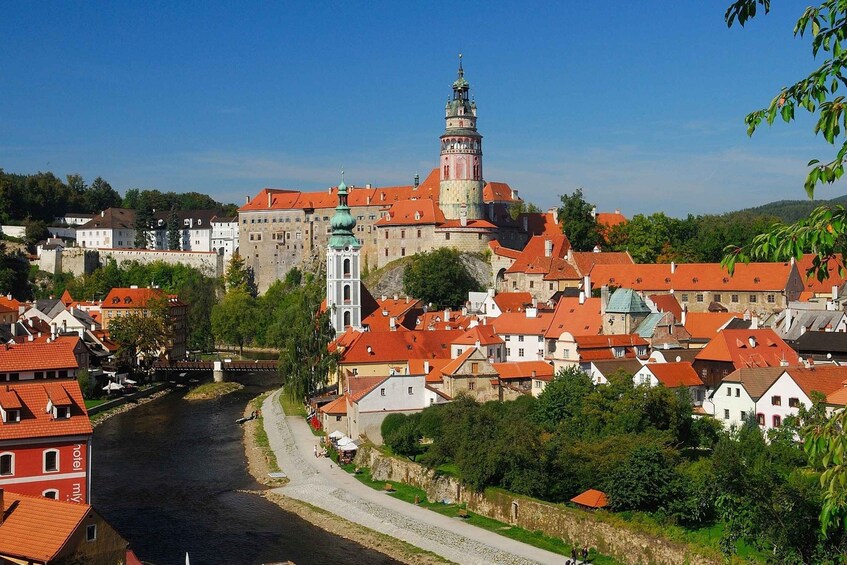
523	347
786	389
730	400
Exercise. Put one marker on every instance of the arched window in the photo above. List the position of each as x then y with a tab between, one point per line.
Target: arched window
51	493
346	319
51	460
7	463
347	267
346	293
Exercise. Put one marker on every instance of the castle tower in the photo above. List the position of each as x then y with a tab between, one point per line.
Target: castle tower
461	156
343	281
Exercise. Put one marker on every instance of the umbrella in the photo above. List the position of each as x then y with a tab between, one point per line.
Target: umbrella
349	447
113	386
344	441
129	382
336	434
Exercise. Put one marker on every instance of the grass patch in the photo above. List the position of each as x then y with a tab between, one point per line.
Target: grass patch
208	391
260	436
291	407
94	402
412	494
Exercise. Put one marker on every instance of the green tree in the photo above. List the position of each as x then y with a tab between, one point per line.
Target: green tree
522	207
143	221
233	320
141	337
237	274
405	439
100	196
439	277
644	482
576	216
36	230
562	398
174	231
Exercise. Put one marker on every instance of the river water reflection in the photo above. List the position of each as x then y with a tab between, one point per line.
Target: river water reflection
167	475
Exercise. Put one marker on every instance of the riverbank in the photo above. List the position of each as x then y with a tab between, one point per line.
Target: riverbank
261	461
101	417
208	391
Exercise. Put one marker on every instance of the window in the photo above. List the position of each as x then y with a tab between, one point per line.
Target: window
62	412
386	234
51	493
447	236
520	352
507	338
419	233
777	420
51	461
619	351
728	389
700	297
685	297
737	392
7	464
743	416
91	532
776	400
382	392
752	299
39	374
760	419
551	286
794	402
402	234
733	298
508	352
402	252
726	414
346	293
531	284
520	338
474	368
410	390
471	385
13	416
771	299
716	297
346	319
537	384
51	374
338	418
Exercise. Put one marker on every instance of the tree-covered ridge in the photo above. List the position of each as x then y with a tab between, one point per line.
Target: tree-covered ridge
44	197
792	210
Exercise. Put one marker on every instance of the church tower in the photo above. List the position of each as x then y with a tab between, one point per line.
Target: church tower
461	157
343	281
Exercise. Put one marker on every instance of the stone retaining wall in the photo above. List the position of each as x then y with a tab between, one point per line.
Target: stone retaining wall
109	404
578	527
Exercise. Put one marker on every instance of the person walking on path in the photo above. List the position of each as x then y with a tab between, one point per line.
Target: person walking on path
584	552
573	553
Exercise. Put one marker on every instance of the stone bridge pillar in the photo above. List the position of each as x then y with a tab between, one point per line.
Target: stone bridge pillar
218	372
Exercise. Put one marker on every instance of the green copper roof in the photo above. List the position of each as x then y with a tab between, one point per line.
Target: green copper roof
627	301
343	223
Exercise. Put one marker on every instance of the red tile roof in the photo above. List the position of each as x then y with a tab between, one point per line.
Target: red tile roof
598	347
11	303
610	219
519	323
524	370
418	367
36	422
132	297
748	348
498	249
412	212
705	325
337	406
512	301
541	223
469	224
66	298
456	364
575	318
38	355
673	375
759	277
37	528
484	335
585	260
359	387
498	192
536	250
812	283
591	499
667	303
386	347
826	379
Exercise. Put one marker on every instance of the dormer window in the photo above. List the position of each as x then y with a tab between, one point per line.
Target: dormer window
61	412
128	300
115	300
11	416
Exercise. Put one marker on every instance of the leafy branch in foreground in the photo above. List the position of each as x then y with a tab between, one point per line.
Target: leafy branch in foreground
816	93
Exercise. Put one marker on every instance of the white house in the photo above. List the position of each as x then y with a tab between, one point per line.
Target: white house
672	375
735	398
366	409
523	333
113	228
225	236
793	388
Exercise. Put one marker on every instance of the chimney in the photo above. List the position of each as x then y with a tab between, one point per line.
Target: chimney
14	329
673	267
586	285
617	210
581	297
531	312
787	322
834	292
392	323
684	313
417	180
526	223
604	299
247	200
802	330
570	253
382	298
102	213
395	298
491	292
270	199
514	194
426	367
754	321
533	374
446	314
548	247
594	213
93	326
555	213
53	330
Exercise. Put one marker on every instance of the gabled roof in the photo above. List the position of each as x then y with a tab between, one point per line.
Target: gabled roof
647	327
673	375
484	335
748	348
803	321
413	212
812	284
37	528
610	219
454	365
826	379
609	366
131	297
541	223
386	347
531	259
418	367
498	192
755	380
337	406
512	301
38	356
575	318
591	499
525	370
111	218
520	323
585	260
35	421
595	347
667	303
706	325
822	342
359	387
498	249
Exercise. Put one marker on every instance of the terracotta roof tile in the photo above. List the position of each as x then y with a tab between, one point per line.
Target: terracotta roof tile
418	367
667	303
382	347
541	223
337	406
498	192
519	323
524	370
591	499
748	348
35	421
610	219
694	276
575	318
705	325
412	212
38	355
835	278
37	528
512	301
131	297
535	250
484	335
454	365
498	249
673	375
826	379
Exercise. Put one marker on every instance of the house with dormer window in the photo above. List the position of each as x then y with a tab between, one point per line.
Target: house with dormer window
45	440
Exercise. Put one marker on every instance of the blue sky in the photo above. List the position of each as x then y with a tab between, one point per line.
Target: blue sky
639	103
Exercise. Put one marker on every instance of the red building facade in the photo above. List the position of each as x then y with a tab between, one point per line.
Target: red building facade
45	440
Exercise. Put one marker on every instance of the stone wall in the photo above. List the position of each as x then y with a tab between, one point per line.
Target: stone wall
209	263
77	260
578	527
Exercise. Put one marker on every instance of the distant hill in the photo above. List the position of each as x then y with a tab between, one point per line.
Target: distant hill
792	210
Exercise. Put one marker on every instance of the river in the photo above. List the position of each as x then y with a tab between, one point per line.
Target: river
168	476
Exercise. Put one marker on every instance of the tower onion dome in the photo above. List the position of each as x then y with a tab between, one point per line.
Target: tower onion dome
343	222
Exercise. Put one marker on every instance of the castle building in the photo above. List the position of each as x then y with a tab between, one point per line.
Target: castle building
343	283
452	207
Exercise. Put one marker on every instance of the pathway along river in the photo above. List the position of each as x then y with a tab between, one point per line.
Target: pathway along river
168	476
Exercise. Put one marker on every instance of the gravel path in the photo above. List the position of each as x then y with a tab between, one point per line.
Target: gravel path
321	483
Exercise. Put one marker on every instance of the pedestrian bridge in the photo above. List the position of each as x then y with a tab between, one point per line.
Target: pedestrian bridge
218	368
